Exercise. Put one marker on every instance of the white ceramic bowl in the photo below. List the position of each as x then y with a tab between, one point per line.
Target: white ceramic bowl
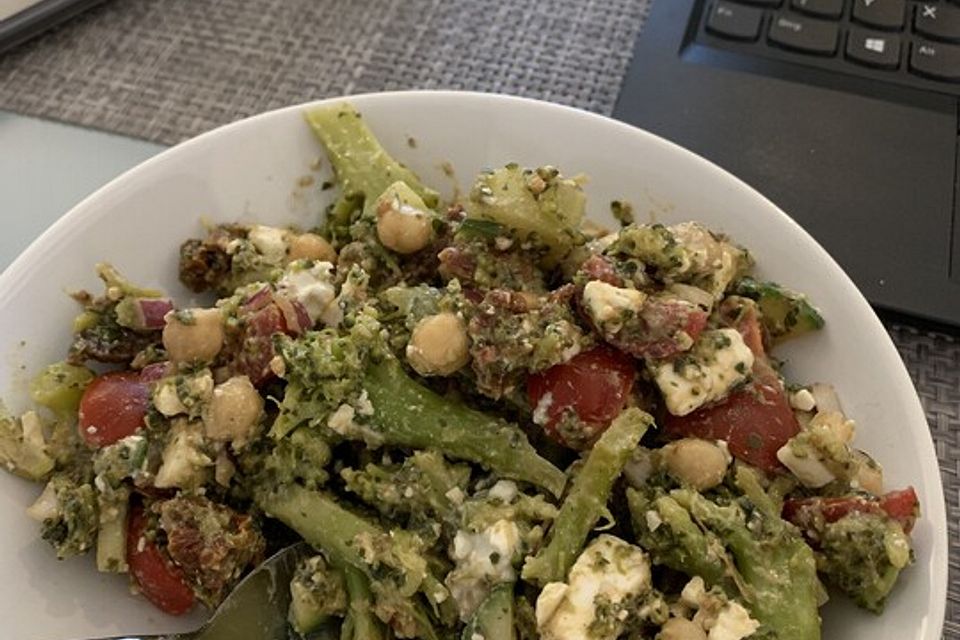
254	170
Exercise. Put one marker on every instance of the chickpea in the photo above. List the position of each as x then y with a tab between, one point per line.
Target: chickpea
681	629
233	411
403	228
439	345
310	246
698	463
196	334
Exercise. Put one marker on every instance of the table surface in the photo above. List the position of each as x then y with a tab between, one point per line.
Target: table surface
35	153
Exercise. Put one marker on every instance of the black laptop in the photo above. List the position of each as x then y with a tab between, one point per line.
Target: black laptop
845	113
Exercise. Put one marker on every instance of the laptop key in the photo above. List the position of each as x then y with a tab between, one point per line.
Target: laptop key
824	8
874	49
883	14
804	34
734	21
936	60
939	21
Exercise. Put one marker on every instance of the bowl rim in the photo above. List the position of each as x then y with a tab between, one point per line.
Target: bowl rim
88	207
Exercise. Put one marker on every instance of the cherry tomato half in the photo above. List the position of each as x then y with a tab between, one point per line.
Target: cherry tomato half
755	421
594	384
160	581
113	407
903	506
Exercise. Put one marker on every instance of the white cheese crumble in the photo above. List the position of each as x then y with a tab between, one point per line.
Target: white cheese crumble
482	560
732	623
504	490
607	305
313	288
720	618
816	454
718	361
807	465
541	412
610	571
184	462
270	242
341	420
803	400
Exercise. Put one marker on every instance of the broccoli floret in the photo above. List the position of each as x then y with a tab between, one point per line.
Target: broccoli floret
742	545
363	168
686	253
114	463
323	370
69	516
317	593
300	457
863	554
422	486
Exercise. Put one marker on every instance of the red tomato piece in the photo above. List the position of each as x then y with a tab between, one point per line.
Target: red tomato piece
903	506
113	407
755	421
594	384
160	581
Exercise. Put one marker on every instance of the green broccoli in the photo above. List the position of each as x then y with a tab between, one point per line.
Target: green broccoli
362	166
587	501
863	554
743	546
421	486
317	593
69	515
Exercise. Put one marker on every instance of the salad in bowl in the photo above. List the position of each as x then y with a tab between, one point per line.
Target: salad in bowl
490	417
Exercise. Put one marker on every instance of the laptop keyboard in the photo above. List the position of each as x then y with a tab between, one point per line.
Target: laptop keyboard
909	42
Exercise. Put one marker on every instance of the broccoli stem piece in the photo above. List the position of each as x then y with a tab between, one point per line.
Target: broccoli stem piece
777	566
588	498
343	535
112	534
418	487
363	168
677	541
363	624
410	415
761	557
494	617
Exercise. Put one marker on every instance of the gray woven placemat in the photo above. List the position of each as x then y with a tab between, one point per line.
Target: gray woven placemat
165	70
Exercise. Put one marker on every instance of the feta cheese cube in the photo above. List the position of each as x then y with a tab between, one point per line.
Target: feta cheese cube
609	572
608	305
716	363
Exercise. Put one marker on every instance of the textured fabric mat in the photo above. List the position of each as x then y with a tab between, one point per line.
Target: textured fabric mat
165	70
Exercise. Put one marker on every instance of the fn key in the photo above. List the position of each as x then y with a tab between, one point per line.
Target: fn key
734	21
